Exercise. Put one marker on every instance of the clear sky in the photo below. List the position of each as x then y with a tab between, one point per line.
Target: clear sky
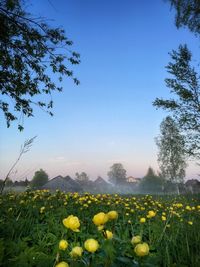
109	117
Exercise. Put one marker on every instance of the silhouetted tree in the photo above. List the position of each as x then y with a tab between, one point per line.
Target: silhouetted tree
82	177
151	183
9	182
171	155
39	179
187	14
30	52
185	107
117	174
184	83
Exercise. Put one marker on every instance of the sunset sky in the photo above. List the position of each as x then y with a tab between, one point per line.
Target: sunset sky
109	117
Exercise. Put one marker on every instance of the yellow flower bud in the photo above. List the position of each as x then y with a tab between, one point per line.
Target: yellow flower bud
112	215
100	218
62	264
91	245
100	227
142	249
76	252
142	220
151	214
72	222
63	244
108	234
136	239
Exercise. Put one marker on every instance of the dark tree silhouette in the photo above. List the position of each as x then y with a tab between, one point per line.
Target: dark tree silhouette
30	52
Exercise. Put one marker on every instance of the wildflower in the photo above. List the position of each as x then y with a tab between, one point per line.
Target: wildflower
142	249
151	214
91	245
72	222
76	252
136	239
100	227
62	264
63	244
100	218
42	209
108	234
190	222
163	218
142	220
112	215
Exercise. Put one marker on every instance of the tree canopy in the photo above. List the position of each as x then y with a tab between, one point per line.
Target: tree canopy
82	177
39	179
171	155
184	82
184	85
151	183
30	52
117	174
187	14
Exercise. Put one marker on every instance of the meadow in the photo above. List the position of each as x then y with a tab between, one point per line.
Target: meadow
39	228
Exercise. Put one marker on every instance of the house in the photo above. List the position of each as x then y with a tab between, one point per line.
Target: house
132	179
61	183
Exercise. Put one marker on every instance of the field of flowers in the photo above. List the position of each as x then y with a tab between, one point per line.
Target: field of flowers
40	229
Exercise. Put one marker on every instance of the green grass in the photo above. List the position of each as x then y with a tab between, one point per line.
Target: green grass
29	237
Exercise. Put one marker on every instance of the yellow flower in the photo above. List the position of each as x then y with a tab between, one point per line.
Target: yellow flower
190	223
142	220
136	239
76	252
163	218
100	227
142	249
108	234
62	264
63	244
151	214
42	209
91	245
72	222
112	215
100	218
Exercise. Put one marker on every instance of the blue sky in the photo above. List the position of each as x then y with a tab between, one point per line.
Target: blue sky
109	117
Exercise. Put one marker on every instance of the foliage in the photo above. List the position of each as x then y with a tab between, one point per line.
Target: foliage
30	52
151	183
39	179
185	106
187	14
9	182
117	174
82	177
32	227
171	155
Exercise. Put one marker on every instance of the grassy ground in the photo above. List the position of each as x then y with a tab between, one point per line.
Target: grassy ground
31	227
